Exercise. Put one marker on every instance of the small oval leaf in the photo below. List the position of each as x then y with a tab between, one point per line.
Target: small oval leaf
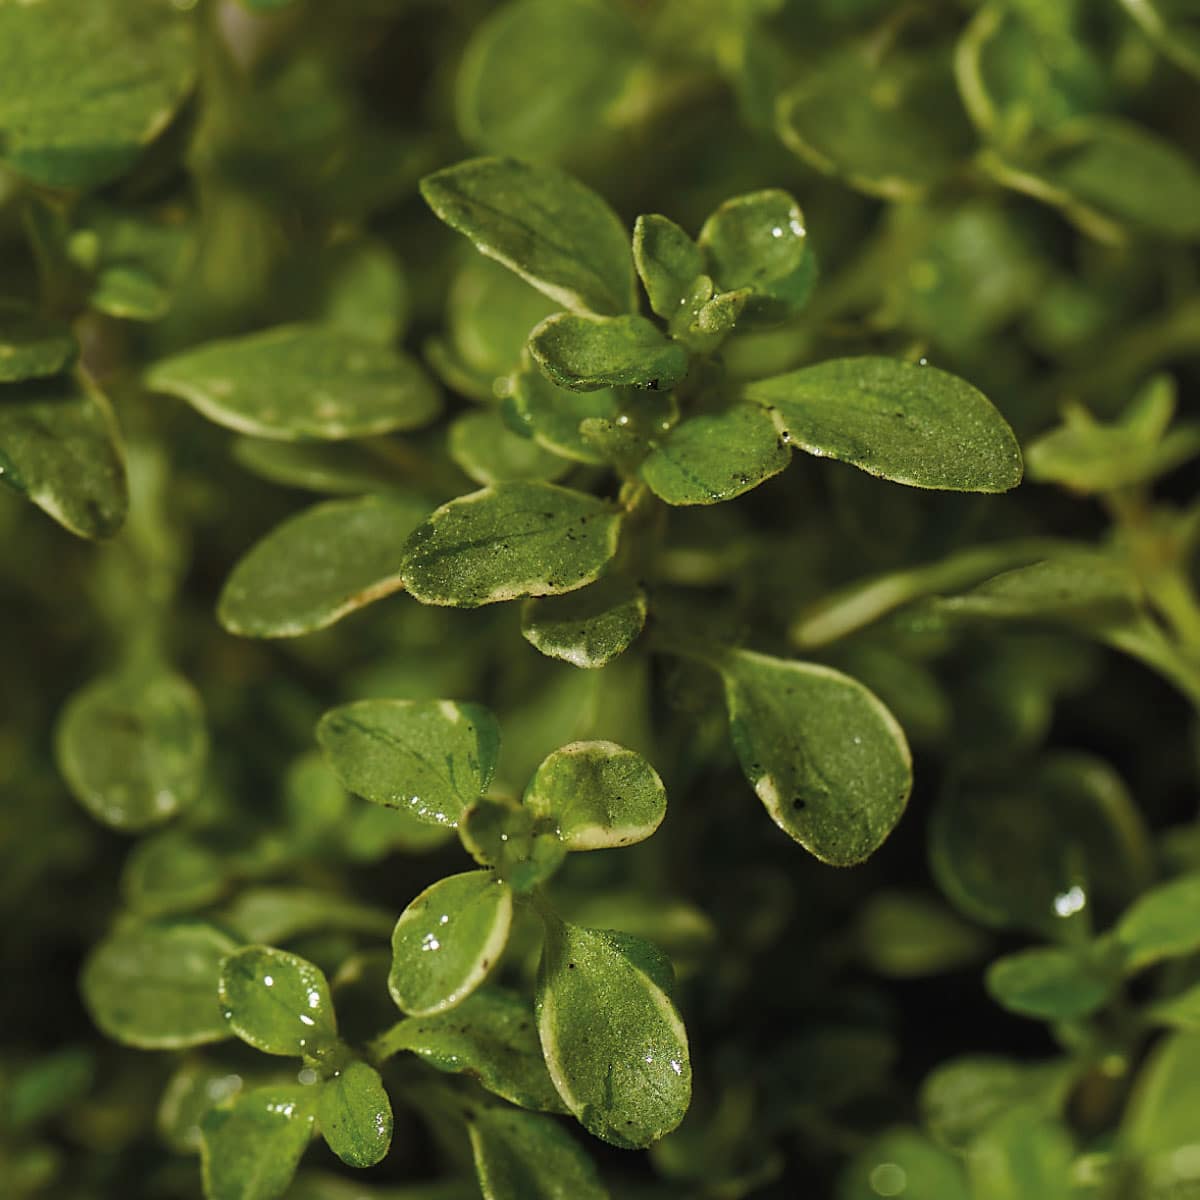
902	421
448	940
589	627
355	1115
1051	983
277	1002
319	566
586	354
508	541
428	758
300	381
32	346
599	794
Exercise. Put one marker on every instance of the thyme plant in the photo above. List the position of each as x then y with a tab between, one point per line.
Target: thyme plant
471	437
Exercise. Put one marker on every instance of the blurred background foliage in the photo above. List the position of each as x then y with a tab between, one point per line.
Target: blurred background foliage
1008	187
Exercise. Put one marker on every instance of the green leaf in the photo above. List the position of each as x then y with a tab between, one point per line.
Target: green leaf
1050	983
300	381
319	566
668	262
510	540
72	113
1160	1114
429	758
1180	1011
196	1087
133	747
355	1115
905	422
904	935
903	1162
615	1046
340	468
171	872
155	985
251	1150
489	452
448	940
60	447
1163	922
586	354
962	1097
277	1002
270	915
521	1156
716	456
1172	26
587	628
824	755
541	223
539	75
504	835
31	346
1067	821
53	1083
1128	174
599	795
552	415
491	1037
892	128
1020	1155
758	241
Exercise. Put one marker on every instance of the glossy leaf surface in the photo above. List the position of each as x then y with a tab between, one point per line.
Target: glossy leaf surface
549	228
59	446
824	755
598	794
508	541
905	422
448	940
589	627
586	354
714	457
668	262
251	1150
72	115
277	1002
489	1036
300	381
355	1115
613	1041
319	566
155	985
133	747
506	836
428	758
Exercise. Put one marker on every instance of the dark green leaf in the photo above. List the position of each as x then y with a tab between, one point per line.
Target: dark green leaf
277	1002
521	1156
429	758
251	1150
598	794
906	422
615	1046
59	445
133	747
489	452
824	755
540	74
355	1115
1050	983
448	940
319	566
1172	26
31	346
73	114
300	381
589	627
904	935
339	468
489	1036
586	354
542	224
714	457
552	415
668	262
155	985
172	872
54	1082
510	540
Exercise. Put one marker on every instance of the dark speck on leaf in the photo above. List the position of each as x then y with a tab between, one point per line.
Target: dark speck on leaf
798	803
